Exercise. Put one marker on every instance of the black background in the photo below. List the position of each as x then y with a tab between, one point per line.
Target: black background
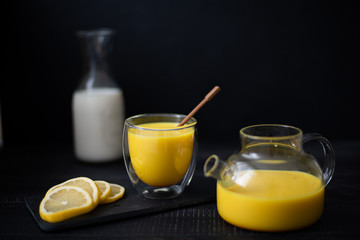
290	62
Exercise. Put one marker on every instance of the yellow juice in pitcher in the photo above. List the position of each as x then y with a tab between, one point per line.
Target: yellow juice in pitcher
160	156
272	200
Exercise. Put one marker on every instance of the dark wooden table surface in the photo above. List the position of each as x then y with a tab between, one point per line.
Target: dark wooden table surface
31	170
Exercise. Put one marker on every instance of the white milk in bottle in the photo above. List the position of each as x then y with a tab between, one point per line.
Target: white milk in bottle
98	123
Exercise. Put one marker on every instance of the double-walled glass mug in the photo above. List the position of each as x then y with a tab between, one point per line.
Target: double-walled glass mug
272	184
160	157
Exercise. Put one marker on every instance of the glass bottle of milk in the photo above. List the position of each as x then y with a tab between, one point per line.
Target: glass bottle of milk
97	104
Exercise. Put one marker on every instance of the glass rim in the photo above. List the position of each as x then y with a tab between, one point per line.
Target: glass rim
297	132
175	115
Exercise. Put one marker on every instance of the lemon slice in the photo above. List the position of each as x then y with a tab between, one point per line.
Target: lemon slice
104	188
83	182
65	202
117	192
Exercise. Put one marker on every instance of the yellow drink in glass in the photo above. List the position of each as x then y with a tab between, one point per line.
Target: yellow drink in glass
273	200
160	158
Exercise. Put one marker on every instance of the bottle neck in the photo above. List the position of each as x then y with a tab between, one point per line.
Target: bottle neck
95	52
96	48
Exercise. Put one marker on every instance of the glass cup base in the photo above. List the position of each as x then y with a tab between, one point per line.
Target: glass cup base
161	193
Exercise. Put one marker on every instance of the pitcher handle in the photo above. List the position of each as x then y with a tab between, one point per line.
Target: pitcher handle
329	155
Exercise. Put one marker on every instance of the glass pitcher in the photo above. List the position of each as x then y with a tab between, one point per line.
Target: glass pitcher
272	184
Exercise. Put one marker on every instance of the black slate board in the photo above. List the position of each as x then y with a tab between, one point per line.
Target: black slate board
200	190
